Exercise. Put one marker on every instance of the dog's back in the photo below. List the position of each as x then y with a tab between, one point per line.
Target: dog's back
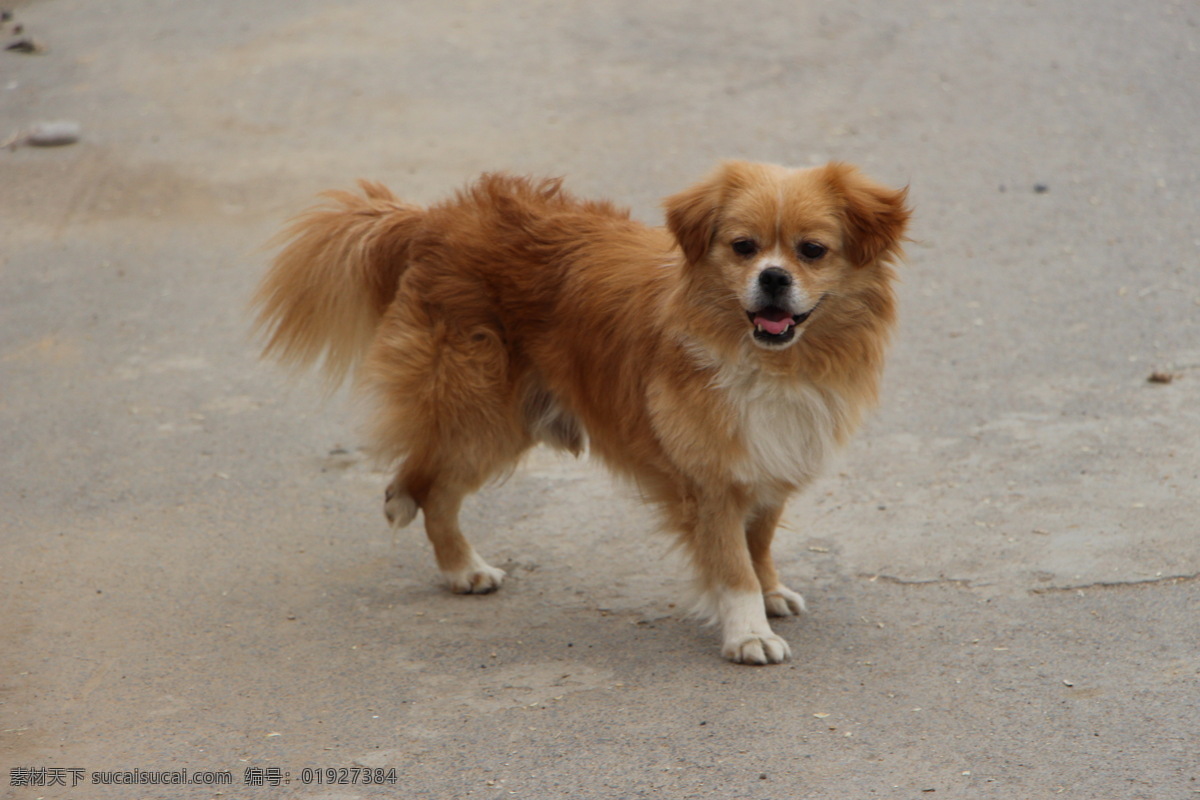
503	248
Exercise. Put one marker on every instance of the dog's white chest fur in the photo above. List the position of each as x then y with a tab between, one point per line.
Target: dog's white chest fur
789	427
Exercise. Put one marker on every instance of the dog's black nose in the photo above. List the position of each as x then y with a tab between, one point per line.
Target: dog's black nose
774	280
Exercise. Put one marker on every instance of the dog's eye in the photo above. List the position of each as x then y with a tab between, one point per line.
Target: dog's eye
811	251
744	247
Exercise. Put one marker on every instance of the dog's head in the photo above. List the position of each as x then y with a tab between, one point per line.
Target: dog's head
784	241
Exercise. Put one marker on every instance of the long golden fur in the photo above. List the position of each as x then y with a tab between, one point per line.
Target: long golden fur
717	361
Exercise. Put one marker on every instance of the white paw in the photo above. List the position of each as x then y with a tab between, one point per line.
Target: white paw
399	507
746	635
783	602
756	648
478	577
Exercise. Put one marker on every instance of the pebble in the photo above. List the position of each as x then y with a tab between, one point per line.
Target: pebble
47	134
26	44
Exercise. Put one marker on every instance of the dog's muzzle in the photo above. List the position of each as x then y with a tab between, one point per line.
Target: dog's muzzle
774	320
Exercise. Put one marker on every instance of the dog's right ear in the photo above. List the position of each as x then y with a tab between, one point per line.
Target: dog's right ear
692	214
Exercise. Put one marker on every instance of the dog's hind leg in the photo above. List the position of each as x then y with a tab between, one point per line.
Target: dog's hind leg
465	570
399	506
440	496
449	413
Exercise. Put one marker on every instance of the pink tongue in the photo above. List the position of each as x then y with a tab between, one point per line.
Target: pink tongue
776	326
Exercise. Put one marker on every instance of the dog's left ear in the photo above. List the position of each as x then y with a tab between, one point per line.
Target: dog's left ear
692	214
875	216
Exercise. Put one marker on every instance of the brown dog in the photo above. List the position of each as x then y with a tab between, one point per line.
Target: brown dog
717	362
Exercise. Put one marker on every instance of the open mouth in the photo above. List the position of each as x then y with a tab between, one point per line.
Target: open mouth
775	326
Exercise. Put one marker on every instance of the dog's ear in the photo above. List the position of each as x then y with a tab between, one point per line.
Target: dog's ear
692	214
875	216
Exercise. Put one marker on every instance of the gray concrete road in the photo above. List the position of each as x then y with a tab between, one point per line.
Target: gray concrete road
1002	570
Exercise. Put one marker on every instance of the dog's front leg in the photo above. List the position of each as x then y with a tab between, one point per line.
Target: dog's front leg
734	595
760	530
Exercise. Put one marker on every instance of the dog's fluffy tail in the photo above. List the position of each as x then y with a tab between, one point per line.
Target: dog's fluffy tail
329	286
